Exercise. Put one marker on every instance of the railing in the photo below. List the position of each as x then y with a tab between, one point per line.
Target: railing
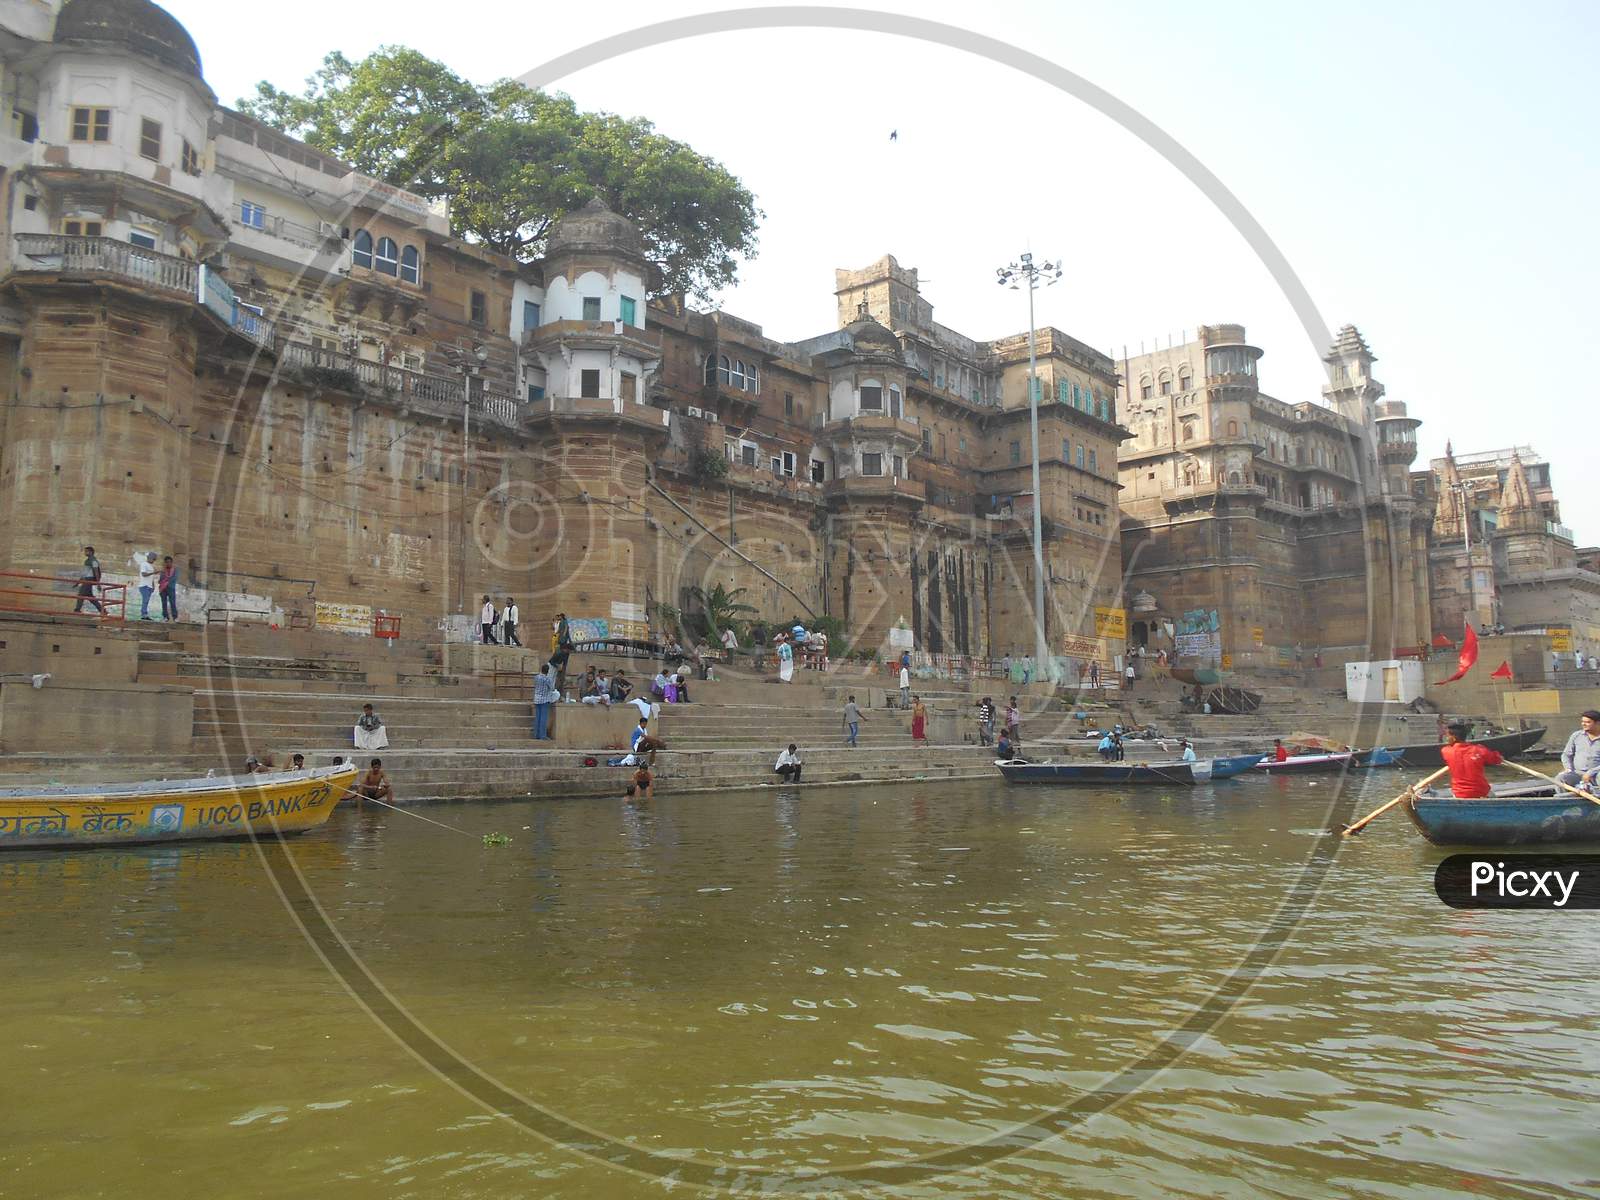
105	596
436	393
217	296
91	256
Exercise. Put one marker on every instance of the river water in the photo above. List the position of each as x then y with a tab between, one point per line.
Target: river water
769	991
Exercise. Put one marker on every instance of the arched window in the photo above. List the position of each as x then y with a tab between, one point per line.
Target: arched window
1233	477
386	259
711	368
1185	380
410	265
1233	429
1188	431
361	250
752	379
1166	384
738	374
1145	390
725	370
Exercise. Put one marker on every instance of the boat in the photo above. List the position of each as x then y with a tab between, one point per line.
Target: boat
1202	770
1515	814
1427	754
1306	764
171	810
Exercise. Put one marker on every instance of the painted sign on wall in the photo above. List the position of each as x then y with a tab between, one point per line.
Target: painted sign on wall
345	618
1110	622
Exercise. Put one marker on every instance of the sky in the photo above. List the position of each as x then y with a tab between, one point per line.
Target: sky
1428	170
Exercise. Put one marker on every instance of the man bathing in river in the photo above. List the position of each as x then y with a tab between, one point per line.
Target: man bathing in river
374	785
642	786
1466	762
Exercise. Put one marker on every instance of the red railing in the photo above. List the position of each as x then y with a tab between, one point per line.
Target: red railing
384	626
110	596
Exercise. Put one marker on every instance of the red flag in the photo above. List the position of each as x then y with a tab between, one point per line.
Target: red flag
1442	641
1469	654
1503	671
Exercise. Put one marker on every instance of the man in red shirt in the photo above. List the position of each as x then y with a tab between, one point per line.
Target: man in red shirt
1466	762
1280	752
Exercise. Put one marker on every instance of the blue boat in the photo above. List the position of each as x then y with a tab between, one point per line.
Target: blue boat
1516	814
1116	774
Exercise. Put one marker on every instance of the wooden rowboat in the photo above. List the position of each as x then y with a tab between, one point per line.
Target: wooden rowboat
1516	814
1306	764
171	810
1426	754
1202	770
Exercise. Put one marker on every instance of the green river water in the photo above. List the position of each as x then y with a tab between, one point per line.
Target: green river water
778	987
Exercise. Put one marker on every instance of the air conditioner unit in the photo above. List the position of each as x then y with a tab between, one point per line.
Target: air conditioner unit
695	412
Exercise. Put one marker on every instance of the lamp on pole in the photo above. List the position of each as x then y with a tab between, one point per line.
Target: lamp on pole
471	364
1011	275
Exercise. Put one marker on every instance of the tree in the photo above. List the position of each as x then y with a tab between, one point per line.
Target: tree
513	161
722	609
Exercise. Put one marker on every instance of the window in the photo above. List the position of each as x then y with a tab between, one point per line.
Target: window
26	125
535	392
150	139
752	379
191	159
591	308
777	465
787	470
589	384
927	440
1080	456
1016	453
479	310
1063	390
76	228
1092	465
899	467
1145	390
410	265
1188	431
30	202
629	311
361	249
818	471
1233	429
788	404
871	464
629	389
140	238
738	373
1166	385
1066	450
725	369
961	444
871	397
252	214
386	258
1185	381
747	453
894	402
91	124
530	317
1035	388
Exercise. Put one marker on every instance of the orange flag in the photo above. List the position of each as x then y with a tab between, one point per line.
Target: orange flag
1469	654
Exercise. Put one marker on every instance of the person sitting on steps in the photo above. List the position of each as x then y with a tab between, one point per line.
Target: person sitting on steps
789	765
374	785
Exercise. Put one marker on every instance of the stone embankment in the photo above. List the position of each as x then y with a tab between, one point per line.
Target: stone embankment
154	701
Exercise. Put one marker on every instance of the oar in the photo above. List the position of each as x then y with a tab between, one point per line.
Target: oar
1381	809
1541	775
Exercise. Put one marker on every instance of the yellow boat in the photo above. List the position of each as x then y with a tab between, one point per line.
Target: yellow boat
172	810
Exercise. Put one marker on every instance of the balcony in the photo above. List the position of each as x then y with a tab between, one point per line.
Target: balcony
629	339
864	487
902	429
556	408
92	258
437	394
290	245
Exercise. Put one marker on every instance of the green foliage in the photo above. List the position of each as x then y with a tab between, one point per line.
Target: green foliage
513	161
722	609
496	839
707	465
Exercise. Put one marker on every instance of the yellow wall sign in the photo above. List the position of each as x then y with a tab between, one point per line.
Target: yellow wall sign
1561	640
1227	662
1258	635
1110	622
345	618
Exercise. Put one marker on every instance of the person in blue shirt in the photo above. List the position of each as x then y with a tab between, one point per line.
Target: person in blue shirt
1107	748
1188	751
544	696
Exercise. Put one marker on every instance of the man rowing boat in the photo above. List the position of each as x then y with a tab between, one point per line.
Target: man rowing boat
1466	762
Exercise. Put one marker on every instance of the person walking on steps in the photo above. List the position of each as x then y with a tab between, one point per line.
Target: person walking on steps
852	721
986	722
509	620
88	580
919	721
486	622
167	585
905	684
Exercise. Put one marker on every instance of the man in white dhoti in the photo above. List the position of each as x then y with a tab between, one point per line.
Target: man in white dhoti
370	733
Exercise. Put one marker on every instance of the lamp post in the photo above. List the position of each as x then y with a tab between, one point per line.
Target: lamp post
1009	275
470	365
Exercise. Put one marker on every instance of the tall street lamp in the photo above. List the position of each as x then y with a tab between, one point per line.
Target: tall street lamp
1010	274
471	364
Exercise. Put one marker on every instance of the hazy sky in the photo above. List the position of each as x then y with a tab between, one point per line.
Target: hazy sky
1429	171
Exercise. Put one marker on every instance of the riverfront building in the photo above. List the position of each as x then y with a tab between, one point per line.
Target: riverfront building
1251	525
223	344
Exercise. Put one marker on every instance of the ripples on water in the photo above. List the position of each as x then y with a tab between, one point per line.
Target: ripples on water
807	979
